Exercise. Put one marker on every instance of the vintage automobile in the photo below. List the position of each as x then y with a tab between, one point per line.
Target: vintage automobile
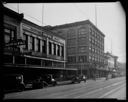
48	80
13	82
75	79
41	81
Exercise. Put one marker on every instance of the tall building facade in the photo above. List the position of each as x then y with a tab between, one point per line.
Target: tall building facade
85	46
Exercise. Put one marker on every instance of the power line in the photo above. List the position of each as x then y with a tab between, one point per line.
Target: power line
29	15
80	11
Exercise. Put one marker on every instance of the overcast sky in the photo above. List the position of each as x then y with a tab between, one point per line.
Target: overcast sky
111	19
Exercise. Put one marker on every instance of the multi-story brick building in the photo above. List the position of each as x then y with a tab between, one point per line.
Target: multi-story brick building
85	46
30	49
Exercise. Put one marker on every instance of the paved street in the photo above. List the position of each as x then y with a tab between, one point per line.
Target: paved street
101	88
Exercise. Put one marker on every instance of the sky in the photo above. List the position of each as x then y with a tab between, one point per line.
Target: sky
110	18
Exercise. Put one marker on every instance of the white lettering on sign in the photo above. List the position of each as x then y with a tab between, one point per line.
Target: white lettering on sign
58	39
47	35
32	29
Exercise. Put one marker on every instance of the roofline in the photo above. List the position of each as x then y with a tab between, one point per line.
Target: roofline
12	13
42	28
75	24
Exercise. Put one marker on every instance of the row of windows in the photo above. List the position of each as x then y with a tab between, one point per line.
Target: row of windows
31	44
97	51
82	32
56	49
97	43
97	59
96	34
81	59
39	45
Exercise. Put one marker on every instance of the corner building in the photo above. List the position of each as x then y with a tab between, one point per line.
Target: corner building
84	47
30	49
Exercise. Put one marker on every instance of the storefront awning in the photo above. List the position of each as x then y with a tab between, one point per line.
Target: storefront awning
39	67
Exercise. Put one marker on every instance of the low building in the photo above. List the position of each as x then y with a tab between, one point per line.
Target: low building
30	49
111	63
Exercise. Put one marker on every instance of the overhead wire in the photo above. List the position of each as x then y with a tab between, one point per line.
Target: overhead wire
28	15
80	11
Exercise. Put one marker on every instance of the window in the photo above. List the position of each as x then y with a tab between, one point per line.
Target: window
10	34
62	51
71	42
90	31
38	44
71	50
72	59
50	48
82	41
54	49
58	51
43	46
82	32
25	37
82	49
71	33
32	46
82	59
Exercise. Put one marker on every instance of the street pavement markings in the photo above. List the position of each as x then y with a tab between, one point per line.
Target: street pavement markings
98	89
110	92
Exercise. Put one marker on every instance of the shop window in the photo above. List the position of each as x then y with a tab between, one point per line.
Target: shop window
19	60
8	59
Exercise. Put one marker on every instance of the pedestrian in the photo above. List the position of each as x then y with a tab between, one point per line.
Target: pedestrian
84	78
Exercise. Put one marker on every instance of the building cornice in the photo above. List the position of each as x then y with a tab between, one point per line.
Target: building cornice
72	25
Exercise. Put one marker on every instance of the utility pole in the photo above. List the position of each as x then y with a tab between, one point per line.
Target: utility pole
111	45
18	7
42	13
95	15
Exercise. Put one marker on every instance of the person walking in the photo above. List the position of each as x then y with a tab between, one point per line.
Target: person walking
84	78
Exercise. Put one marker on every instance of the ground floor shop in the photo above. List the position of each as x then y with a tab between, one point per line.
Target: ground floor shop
92	72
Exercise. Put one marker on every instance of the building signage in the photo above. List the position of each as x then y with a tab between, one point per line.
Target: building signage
58	39
13	49
36	54
46	35
16	42
32	29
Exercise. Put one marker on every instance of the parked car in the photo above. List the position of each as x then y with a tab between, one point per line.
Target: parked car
37	83
48	80
76	79
13	82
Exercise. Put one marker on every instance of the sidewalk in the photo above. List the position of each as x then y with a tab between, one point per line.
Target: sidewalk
69	81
